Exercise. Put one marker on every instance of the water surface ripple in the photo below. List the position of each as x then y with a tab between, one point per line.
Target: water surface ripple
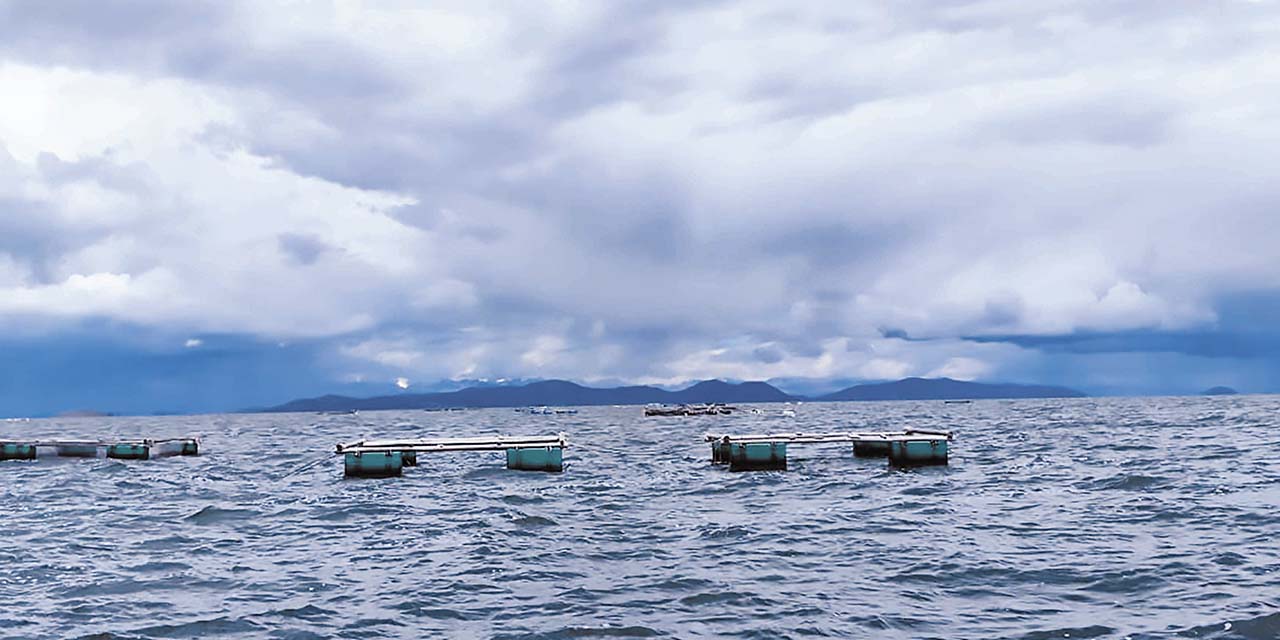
1096	518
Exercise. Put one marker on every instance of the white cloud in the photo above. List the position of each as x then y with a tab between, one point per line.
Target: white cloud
464	190
961	369
884	369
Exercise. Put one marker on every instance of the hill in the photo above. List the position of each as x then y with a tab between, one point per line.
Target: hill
547	392
946	389
1219	391
564	393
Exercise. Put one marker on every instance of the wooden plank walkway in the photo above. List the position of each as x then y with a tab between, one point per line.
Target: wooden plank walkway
433	445
837	437
95	443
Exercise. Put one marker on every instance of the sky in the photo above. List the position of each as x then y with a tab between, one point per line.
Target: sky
213	206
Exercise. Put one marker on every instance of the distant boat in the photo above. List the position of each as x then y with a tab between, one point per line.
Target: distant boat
957	402
352	412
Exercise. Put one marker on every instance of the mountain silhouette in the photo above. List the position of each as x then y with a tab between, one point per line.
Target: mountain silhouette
1219	391
946	389
565	393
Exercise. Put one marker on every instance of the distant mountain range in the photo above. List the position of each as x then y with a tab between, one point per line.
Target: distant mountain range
563	393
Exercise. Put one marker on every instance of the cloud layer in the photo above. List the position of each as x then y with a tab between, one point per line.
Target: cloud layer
628	192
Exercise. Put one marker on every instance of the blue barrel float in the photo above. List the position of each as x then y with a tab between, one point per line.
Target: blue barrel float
870	448
758	456
78	450
175	447
536	459
17	451
373	464
918	451
129	451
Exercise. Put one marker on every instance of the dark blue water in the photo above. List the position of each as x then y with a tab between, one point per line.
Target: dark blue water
1116	518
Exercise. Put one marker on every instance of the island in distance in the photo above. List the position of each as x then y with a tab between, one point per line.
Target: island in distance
564	393
1219	391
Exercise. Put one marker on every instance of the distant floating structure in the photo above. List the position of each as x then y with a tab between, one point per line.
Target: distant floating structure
387	458
957	402
768	452
713	409
547	411
118	449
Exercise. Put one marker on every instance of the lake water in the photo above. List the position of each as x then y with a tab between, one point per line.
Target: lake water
1096	518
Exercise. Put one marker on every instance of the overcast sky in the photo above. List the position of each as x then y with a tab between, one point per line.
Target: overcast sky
211	206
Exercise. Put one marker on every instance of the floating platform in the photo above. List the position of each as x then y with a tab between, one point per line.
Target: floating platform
387	458
143	449
755	452
547	411
714	409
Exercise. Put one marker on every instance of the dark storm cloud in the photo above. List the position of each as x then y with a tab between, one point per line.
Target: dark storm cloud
1248	327
304	248
29	241
135	371
1208	344
128	34
768	354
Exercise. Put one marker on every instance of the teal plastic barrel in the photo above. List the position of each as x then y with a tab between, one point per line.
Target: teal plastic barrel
17	452
376	464
129	451
78	451
190	448
758	456
536	459
914	453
